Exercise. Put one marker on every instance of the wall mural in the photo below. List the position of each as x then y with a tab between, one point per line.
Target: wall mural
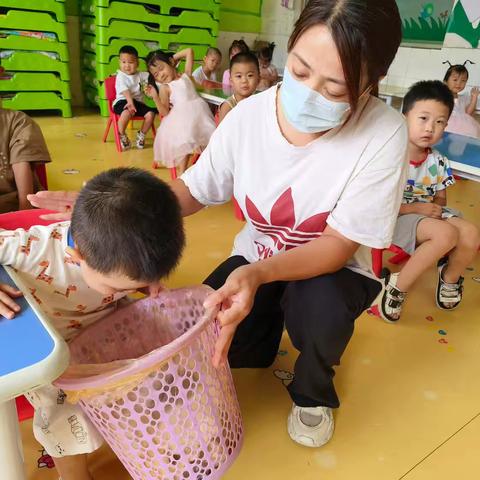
425	22
464	26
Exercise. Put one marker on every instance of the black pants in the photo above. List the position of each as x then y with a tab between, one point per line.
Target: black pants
141	108
319	315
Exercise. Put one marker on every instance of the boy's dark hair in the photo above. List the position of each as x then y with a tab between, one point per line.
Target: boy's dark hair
428	90
245	57
129	50
267	52
213	51
128	221
460	69
239	45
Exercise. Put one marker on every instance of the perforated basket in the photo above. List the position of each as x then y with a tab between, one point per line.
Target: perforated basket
169	414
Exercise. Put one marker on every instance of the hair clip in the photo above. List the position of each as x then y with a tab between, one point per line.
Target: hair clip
469	61
446	61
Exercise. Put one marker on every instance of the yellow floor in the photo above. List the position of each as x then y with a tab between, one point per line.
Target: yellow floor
410	396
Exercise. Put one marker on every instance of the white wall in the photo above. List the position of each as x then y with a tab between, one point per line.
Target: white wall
277	25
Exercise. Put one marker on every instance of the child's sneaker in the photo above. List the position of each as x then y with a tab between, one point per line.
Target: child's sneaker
449	295
124	142
310	426
140	140
389	301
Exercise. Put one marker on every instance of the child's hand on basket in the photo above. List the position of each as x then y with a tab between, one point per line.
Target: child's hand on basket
8	308
234	300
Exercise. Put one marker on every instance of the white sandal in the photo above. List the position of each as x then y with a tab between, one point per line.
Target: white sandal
449	295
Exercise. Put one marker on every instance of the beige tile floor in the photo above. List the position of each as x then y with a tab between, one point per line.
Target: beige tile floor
410	404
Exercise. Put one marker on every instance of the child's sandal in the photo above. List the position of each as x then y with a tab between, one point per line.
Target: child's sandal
449	295
390	299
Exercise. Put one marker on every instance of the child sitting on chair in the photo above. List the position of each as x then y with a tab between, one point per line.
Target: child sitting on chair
21	147
268	71
244	79
126	233
427	229
129	101
208	69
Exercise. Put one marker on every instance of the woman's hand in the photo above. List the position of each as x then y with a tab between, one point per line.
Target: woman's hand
234	300
8	308
62	202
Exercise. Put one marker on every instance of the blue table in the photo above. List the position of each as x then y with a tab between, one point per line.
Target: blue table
463	153
32	354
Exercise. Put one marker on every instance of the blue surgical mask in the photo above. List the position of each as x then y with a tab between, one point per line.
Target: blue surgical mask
307	110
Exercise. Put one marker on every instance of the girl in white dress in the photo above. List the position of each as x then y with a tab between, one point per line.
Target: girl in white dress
187	122
461	120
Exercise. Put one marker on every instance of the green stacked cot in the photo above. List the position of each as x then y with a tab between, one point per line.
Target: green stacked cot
34	54
107	25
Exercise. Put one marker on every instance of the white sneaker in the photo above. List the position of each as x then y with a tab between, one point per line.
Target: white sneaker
310	436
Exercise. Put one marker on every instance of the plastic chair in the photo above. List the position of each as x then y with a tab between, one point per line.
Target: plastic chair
377	258
111	94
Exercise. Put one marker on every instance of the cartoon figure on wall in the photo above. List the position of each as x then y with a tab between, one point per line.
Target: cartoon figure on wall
464	26
424	22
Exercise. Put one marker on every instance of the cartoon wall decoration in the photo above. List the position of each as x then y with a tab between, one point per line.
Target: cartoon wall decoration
424	22
464	25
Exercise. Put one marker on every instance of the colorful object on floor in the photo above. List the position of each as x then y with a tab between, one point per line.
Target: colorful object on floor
476	279
183	415
429	318
442	332
442	340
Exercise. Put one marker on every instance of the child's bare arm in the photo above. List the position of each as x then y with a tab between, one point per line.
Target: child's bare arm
473	101
440	198
187	55
130	105
222	111
23	174
161	98
431	210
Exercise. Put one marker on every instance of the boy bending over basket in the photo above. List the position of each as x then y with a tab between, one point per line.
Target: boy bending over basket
126	233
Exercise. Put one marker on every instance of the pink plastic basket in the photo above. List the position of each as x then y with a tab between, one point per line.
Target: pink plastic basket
167	414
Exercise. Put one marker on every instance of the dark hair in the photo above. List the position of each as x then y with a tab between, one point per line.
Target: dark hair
460	69
267	52
428	90
213	50
367	34
239	45
128	221
245	57
128	49
157	56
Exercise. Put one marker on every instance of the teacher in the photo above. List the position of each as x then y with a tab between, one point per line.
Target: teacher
317	166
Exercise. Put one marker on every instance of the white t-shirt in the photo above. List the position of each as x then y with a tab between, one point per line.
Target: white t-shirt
351	178
132	84
199	75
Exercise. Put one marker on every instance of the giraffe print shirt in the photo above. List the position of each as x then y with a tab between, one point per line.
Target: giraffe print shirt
53	278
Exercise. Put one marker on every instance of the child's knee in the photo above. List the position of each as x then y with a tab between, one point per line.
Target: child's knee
469	237
447	236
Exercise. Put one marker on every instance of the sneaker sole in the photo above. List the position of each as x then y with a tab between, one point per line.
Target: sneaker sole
299	438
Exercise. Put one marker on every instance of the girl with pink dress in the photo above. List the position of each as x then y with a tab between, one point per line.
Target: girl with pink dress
187	122
461	120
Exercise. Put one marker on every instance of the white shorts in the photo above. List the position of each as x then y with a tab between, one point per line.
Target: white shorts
59	426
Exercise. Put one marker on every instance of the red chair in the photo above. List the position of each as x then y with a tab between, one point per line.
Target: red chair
10	221
41	171
113	118
377	258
